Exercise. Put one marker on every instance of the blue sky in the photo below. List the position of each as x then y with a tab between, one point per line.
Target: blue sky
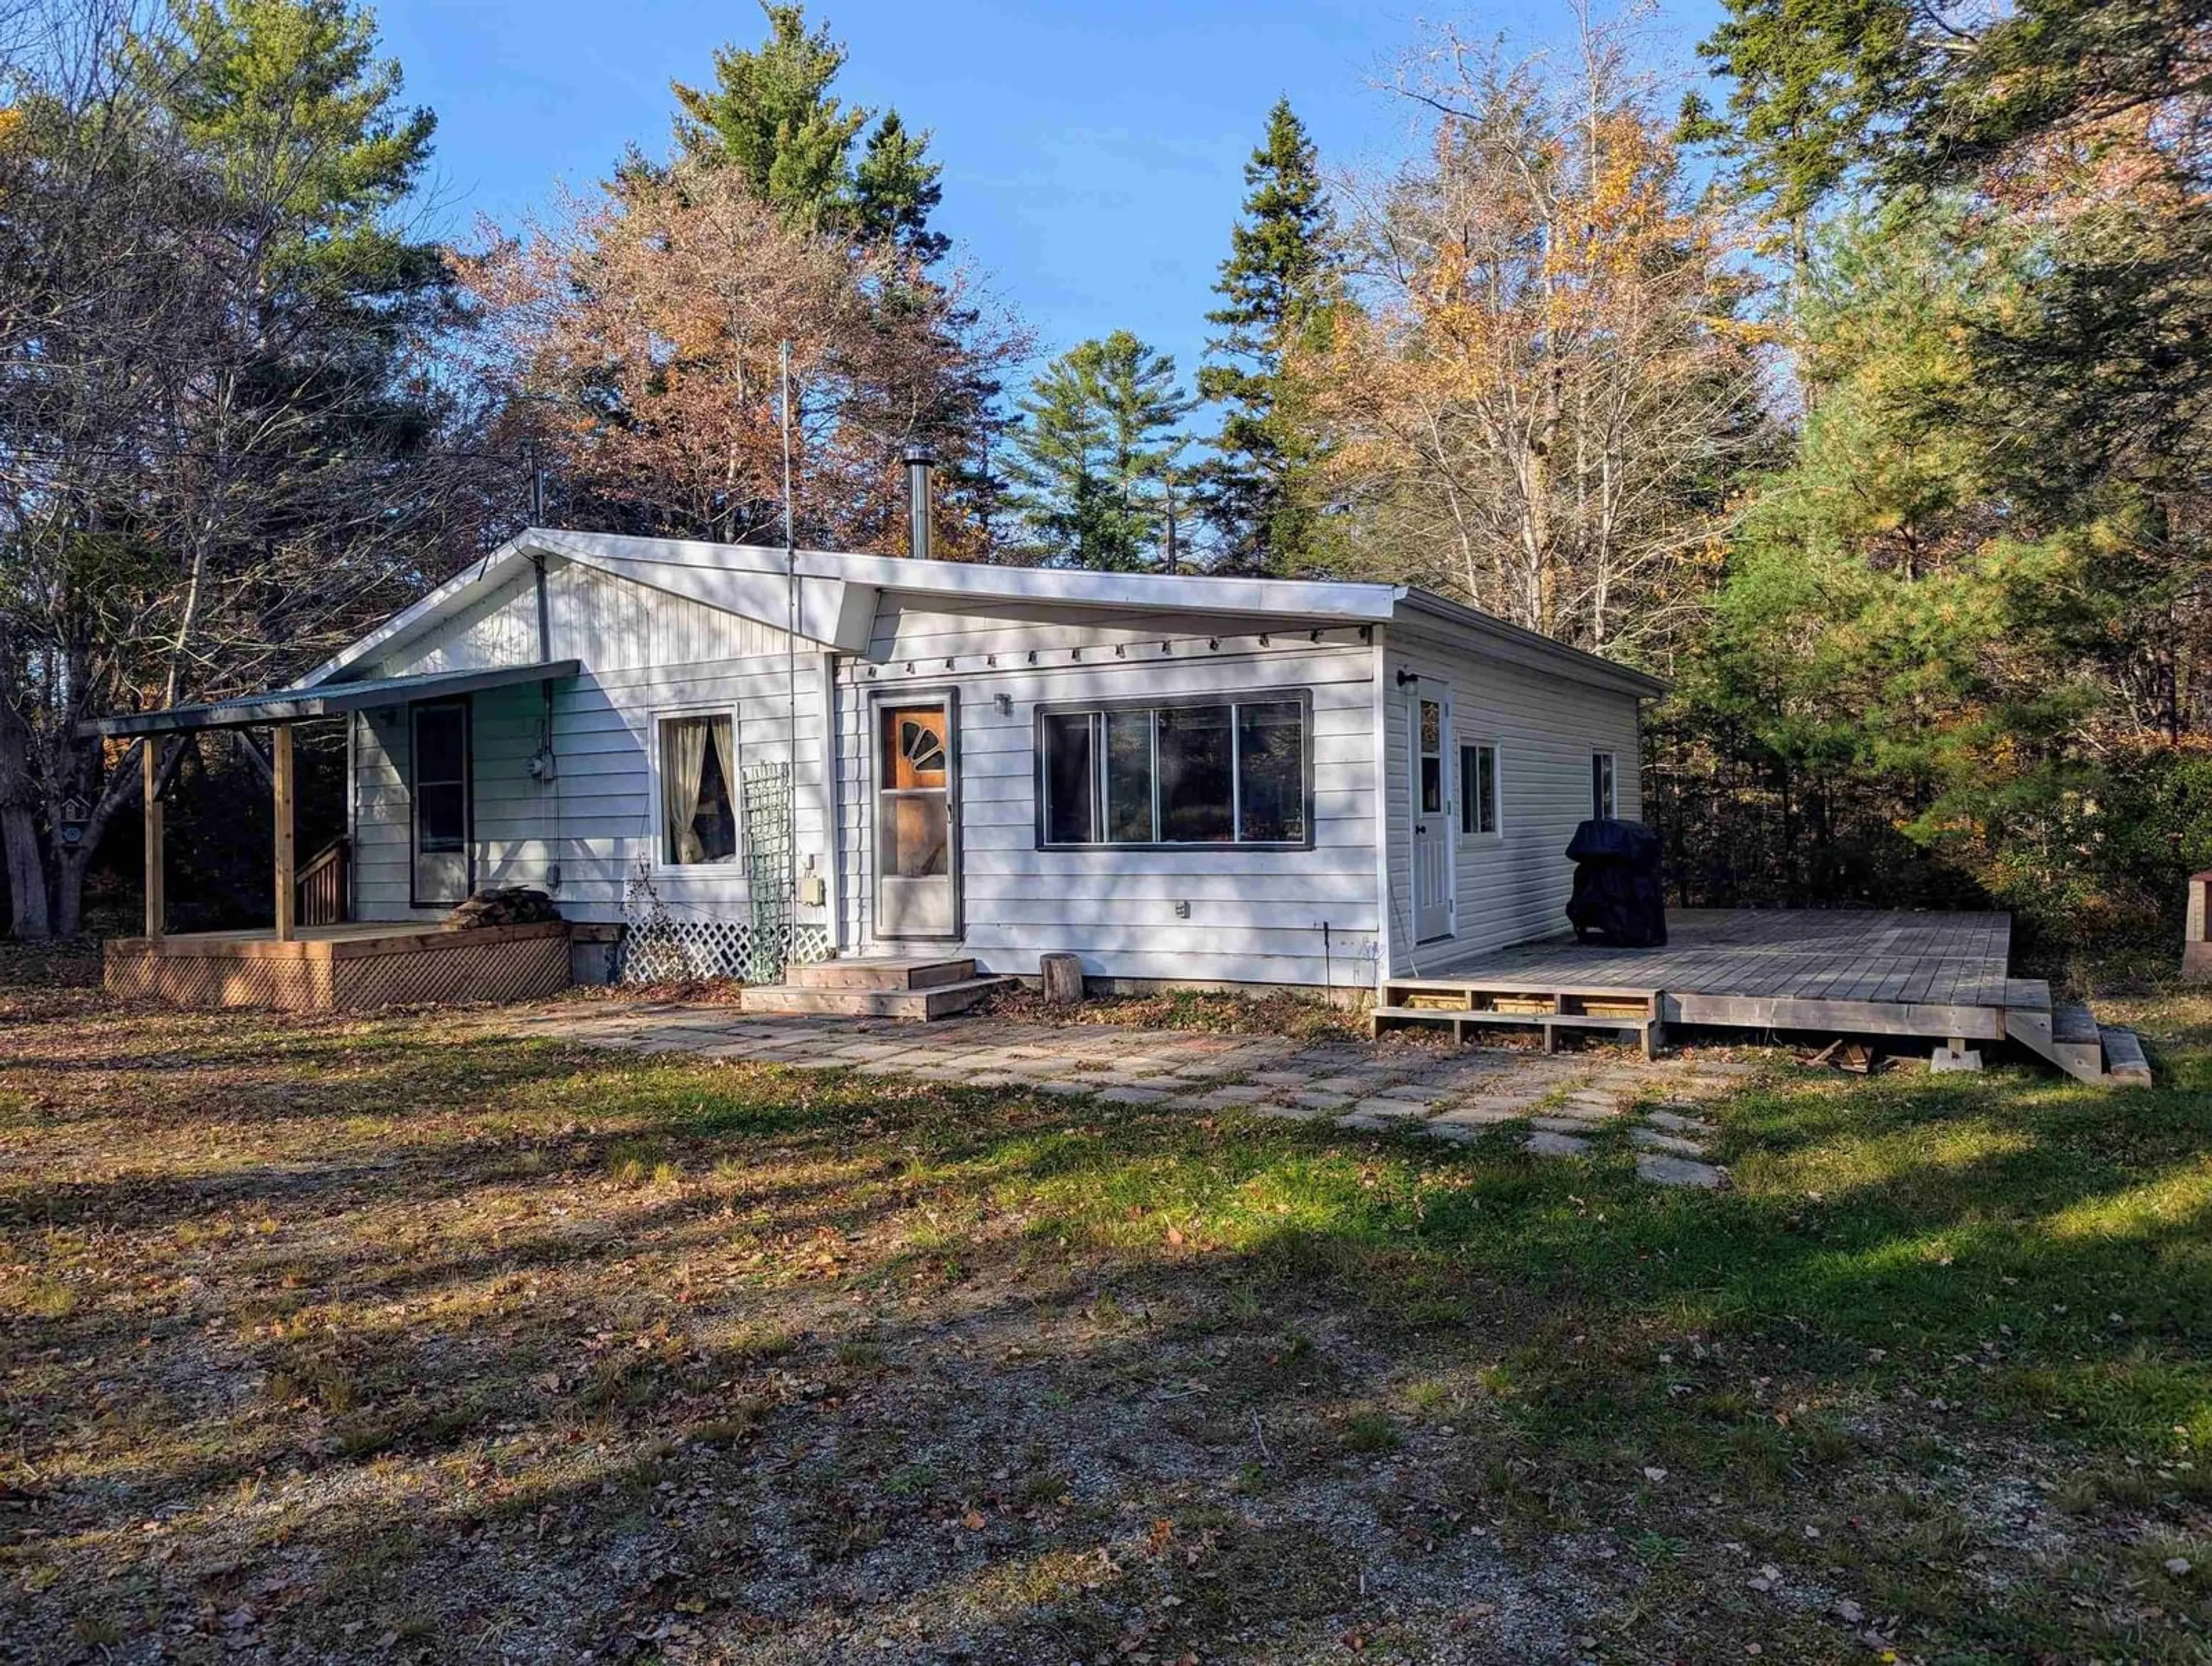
1093	152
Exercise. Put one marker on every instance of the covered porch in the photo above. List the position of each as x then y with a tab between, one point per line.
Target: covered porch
313	955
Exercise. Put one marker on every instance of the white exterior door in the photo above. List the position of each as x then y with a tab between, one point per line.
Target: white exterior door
1429	719
917	818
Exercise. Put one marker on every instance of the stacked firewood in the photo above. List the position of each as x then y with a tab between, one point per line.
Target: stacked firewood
505	905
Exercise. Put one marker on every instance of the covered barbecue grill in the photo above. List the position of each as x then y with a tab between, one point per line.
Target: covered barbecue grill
1618	896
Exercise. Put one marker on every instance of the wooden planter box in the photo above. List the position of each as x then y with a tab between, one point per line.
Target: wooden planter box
342	968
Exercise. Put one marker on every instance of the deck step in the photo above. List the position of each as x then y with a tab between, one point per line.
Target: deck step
2073	1024
2124	1063
1645	1027
934	1001
884	973
2069	1036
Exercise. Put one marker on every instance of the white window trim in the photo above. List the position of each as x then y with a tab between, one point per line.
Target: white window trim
1611	811
1497	835
656	804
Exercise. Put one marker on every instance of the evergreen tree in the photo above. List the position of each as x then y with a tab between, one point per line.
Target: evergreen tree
1092	462
289	102
771	115
1279	289
1812	80
206	231
895	189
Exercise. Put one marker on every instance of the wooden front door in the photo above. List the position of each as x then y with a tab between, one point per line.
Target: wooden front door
1428	744
917	819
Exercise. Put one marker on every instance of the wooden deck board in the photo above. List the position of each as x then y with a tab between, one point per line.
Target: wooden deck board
1897	973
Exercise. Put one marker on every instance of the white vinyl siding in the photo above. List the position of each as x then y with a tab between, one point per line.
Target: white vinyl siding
1513	887
599	815
1254	915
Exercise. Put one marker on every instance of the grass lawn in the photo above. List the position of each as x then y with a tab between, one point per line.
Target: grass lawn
399	1339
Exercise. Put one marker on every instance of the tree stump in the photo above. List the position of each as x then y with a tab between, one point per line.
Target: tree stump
1063	979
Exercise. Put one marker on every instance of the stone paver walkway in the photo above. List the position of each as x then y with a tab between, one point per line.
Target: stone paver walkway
1450	1094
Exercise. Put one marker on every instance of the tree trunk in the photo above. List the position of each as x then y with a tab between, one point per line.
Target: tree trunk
69	891
29	919
1062	977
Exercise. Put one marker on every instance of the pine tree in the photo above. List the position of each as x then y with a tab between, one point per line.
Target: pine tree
895	189
290	103
1280	288
1813	79
771	114
1092	464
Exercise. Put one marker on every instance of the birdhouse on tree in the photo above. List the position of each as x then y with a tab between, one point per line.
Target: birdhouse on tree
70	824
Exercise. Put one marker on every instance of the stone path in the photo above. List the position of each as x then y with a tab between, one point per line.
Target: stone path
1460	1095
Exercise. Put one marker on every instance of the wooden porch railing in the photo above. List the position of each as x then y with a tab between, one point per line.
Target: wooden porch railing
322	886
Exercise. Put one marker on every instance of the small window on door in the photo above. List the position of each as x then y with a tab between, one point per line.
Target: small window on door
1432	757
1478	789
698	800
1601	798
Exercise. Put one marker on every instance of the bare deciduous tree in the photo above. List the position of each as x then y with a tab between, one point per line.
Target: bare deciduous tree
218	438
1541	403
638	336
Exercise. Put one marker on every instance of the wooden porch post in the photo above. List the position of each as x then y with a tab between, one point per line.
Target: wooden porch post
287	883
150	763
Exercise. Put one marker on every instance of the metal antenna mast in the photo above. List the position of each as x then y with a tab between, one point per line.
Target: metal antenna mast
791	656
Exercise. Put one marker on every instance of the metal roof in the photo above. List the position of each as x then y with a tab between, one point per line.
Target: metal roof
291	704
839	593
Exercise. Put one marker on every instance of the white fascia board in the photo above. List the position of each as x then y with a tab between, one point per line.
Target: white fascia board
1155	591
1440	619
1174	595
831	611
839	593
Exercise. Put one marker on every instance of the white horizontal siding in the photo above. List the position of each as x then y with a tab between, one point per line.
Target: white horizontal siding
1254	915
645	653
1514	887
597	819
608	623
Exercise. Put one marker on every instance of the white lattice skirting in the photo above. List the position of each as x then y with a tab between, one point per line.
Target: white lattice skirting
666	950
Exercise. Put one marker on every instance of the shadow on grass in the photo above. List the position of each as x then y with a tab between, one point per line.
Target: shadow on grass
782	1337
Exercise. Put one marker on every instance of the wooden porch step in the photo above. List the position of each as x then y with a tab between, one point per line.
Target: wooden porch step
2073	1024
2068	1035
935	1000
1645	1027
877	973
2124	1063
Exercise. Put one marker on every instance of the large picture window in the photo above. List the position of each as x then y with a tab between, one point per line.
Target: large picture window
1194	773
698	798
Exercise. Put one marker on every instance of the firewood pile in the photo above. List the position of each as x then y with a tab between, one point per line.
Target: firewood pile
505	905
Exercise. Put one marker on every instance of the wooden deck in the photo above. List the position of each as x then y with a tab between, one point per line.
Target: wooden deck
1945	977
1941	975
351	967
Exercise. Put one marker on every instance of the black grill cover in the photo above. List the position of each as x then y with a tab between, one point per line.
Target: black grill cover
1617	893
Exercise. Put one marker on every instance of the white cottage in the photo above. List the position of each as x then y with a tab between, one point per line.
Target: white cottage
1181	779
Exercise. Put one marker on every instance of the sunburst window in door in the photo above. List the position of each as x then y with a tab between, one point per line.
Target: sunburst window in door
921	747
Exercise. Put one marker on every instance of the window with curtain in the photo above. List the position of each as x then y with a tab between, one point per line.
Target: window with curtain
698	797
1478	789
1192	773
